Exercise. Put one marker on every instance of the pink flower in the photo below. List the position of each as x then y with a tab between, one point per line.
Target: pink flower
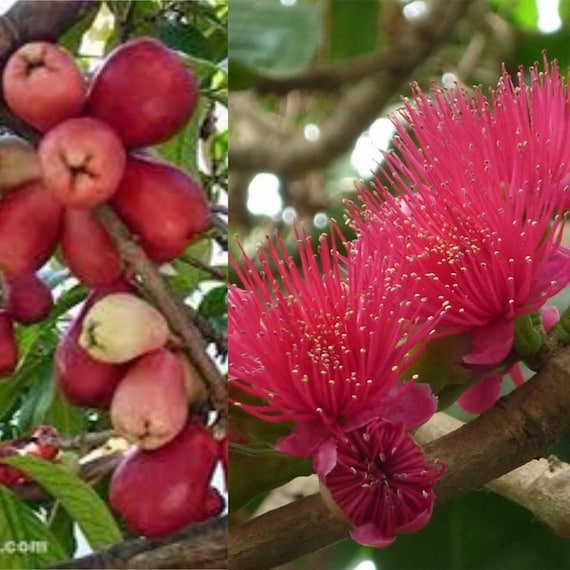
324	346
377	475
480	186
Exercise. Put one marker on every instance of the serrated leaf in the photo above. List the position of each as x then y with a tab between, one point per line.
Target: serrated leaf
21	530
81	502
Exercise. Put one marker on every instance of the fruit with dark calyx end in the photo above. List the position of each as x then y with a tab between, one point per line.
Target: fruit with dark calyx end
19	163
30	225
144	91
159	492
8	345
121	327
214	505
83	380
87	249
150	406
9	476
82	162
28	298
197	393
165	207
43	85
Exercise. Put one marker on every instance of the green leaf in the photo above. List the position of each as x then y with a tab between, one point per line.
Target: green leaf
61	525
215	302
68	419
273	38
185	38
21	530
353	28
257	471
522	13
38	398
182	149
479	531
76	497
73	36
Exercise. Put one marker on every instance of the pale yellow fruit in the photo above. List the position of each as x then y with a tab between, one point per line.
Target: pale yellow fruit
122	326
19	163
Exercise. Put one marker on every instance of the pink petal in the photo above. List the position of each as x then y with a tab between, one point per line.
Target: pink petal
550	316
491	343
325	458
516	375
482	396
414	406
556	268
370	535
303	440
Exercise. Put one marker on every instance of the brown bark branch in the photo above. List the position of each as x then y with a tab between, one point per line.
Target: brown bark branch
356	109
175	313
202	546
519	428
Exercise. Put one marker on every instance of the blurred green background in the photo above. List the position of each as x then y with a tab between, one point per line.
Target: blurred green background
312	83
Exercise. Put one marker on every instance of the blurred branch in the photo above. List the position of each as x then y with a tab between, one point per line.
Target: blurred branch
201	546
357	108
518	429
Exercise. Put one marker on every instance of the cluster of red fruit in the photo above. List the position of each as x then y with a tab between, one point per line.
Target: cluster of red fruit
114	355
39	444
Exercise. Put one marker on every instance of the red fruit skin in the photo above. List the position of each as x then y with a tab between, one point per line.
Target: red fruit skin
8	345
159	492
150	404
82	161
214	505
163	206
30	226
144	91
43	85
83	380
88	250
9	476
28	298
43	437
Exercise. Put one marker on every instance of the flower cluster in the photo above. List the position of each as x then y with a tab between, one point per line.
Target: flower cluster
463	240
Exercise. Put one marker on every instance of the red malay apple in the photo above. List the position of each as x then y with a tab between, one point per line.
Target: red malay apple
28	298
159	492
150	404
165	207
83	380
30	225
8	345
88	250
82	162
144	91
43	85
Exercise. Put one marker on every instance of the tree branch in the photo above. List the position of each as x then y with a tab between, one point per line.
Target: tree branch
201	546
519	428
356	109
135	258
